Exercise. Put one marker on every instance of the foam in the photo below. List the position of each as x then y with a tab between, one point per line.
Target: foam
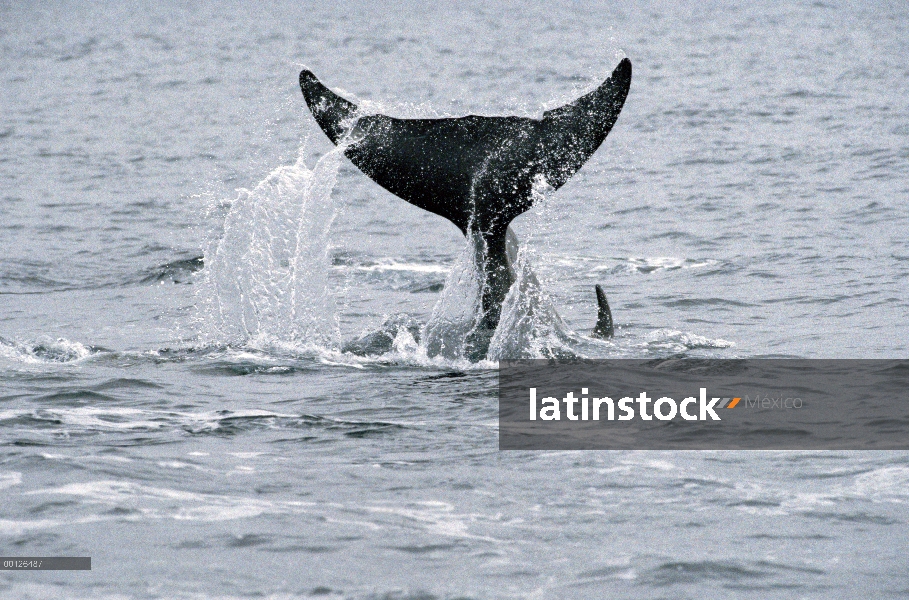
47	351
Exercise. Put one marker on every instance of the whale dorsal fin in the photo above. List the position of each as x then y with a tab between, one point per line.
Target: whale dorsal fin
603	328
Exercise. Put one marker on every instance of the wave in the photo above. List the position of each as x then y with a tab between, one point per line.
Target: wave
670	340
266	287
45	351
177	271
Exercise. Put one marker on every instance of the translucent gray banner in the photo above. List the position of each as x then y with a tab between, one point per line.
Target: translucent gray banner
701	404
45	563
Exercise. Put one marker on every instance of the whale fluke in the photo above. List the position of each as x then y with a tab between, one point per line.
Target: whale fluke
603	328
332	112
478	172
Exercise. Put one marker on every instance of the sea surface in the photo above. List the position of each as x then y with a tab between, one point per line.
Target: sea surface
183	258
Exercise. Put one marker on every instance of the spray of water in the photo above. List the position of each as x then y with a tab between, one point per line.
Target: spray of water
266	277
459	308
266	280
529	326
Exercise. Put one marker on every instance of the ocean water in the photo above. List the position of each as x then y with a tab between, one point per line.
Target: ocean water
183	259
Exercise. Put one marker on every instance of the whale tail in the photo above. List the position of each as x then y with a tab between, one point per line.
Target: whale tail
478	172
475	171
603	328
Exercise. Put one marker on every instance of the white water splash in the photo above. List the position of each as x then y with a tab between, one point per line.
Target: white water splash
459	308
529	326
266	278
60	350
670	340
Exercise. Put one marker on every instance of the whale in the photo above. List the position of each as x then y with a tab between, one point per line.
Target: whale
479	172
